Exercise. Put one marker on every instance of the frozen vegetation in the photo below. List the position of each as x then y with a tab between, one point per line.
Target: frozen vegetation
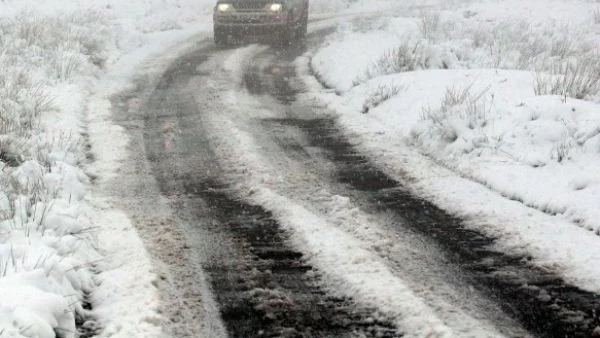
47	240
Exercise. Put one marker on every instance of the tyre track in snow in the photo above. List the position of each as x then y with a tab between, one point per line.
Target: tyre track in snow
262	284
541	301
186	306
263	287
415	261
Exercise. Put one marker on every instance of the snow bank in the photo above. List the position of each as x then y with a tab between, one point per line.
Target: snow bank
47	240
60	247
484	91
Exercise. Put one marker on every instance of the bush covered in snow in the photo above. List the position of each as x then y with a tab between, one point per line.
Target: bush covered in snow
47	245
382	93
579	79
461	111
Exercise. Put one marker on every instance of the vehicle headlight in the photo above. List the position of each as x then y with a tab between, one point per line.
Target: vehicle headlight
224	7
275	7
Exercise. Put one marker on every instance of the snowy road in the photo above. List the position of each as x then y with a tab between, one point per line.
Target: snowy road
267	222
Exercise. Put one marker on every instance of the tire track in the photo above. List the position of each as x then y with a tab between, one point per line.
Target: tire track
538	299
263	287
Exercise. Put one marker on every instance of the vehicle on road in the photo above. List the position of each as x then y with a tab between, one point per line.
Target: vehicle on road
283	20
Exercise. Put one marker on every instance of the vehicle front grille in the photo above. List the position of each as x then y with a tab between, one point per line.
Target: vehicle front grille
249	6
242	20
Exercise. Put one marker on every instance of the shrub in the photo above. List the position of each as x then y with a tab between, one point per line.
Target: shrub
519	45
459	107
406	57
562	151
23	100
565	45
579	80
65	64
383	93
430	25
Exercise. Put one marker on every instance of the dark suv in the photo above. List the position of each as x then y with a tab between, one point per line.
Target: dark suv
285	19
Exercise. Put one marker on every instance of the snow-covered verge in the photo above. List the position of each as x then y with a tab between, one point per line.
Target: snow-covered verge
61	248
492	109
47	239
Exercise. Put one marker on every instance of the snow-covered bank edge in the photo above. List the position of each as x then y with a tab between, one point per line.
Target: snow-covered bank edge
559	207
48	239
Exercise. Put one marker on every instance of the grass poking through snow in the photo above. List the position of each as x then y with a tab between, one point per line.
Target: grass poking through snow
42	232
579	80
460	108
382	93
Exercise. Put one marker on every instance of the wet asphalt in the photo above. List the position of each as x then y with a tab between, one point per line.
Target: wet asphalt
263	286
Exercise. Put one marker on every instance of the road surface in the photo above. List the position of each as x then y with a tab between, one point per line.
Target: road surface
266	222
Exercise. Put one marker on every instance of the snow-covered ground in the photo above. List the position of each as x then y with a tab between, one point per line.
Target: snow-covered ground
481	134
62	244
489	108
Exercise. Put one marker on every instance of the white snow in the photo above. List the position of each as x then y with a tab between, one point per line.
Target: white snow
61	241
126	302
475	138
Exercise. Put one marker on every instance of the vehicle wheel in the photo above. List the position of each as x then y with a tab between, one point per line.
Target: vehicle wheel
303	29
288	35
220	37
